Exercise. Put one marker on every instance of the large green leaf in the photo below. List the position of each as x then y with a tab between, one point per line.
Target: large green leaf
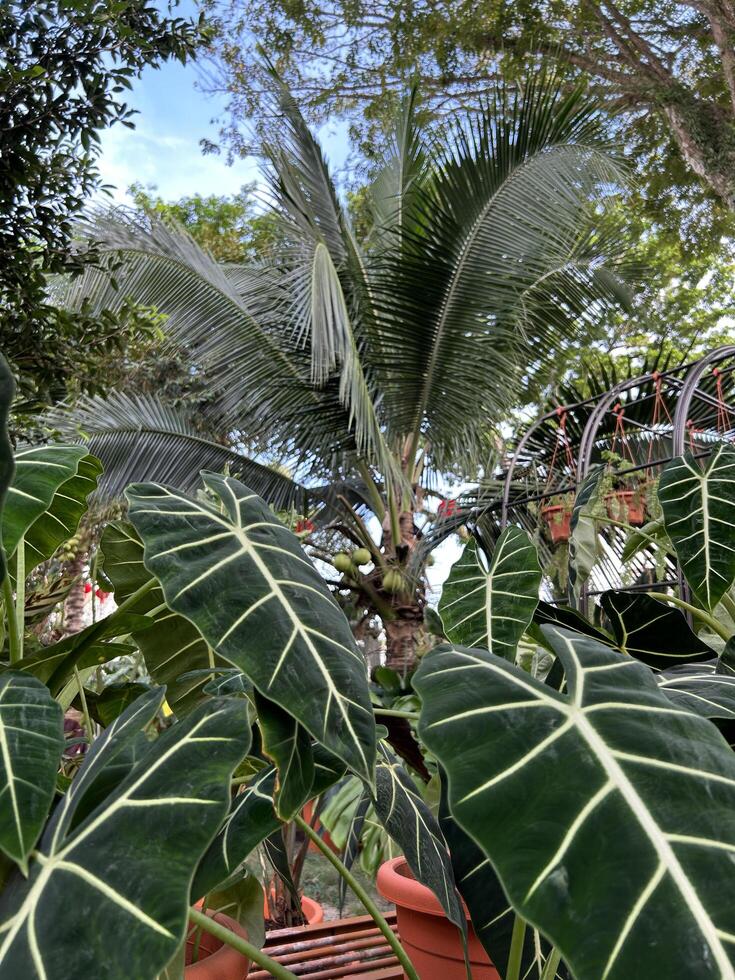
698	503
415	829
60	520
244	581
700	688
651	631
250	820
39	473
172	647
31	743
618	778
492	607
125	870
491	913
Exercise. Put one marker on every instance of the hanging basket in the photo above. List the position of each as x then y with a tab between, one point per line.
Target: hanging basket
627	506
558	519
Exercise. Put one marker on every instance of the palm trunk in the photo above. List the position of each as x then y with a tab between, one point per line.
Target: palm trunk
403	631
74	605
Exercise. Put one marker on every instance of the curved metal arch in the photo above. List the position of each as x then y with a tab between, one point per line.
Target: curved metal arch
511	468
689	387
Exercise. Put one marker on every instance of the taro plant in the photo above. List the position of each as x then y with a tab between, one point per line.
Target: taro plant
255	701
593	792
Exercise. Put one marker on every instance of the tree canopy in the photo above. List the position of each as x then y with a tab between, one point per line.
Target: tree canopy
666	70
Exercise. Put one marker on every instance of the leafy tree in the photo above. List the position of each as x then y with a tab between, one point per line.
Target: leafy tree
368	370
230	228
668	67
63	67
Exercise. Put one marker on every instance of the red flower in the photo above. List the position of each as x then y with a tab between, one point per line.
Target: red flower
101	595
304	527
87	588
447	508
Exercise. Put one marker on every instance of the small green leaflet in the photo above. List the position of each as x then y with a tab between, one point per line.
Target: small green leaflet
619	778
289	746
651	631
125	870
31	743
583	542
246	584
492	608
698	503
251	819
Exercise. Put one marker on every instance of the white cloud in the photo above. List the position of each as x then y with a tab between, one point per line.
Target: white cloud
174	164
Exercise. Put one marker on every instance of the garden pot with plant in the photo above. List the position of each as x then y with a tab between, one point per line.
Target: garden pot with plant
432	942
557	515
627	505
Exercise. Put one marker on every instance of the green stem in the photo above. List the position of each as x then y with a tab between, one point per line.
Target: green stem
85	707
515	957
15	648
700	614
395	526
552	964
20	592
395	713
360	892
626	527
241	945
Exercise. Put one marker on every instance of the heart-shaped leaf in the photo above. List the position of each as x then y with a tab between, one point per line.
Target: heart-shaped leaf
651	631
584	531
125	870
289	746
635	797
252	593
31	743
7	462
698	503
702	689
492	607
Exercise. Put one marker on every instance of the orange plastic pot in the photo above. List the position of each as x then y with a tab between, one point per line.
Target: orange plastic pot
627	505
215	960
313	911
431	941
559	521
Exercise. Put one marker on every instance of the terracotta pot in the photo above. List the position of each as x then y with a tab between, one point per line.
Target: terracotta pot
429	938
216	960
307	814
558	518
312	910
628	506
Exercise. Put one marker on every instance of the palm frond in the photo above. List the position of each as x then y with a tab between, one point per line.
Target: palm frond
139	439
502	212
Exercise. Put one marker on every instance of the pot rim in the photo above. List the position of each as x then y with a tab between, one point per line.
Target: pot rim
406	891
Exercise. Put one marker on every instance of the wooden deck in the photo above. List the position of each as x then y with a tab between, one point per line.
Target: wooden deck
331	950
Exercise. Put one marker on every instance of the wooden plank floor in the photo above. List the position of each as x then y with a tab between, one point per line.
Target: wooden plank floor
331	950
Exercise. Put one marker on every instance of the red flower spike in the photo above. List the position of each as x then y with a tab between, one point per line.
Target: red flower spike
87	588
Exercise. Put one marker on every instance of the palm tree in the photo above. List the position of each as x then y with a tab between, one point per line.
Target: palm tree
367	369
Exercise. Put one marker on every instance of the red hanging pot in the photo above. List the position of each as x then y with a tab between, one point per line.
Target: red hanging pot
558	518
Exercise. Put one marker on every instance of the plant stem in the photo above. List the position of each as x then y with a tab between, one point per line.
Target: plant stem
15	649
395	526
375	499
551	964
241	945
360	892
515	957
695	611
395	713
85	708
20	592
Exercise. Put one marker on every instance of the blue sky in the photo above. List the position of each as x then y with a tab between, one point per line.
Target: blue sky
174	114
